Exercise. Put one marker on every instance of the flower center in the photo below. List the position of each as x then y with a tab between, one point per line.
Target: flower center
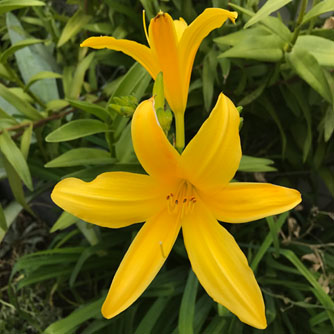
182	201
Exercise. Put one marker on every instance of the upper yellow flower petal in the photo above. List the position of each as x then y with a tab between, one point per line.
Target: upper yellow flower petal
210	19
114	199
158	157
141	53
180	25
212	157
221	267
141	263
243	202
164	45
173	48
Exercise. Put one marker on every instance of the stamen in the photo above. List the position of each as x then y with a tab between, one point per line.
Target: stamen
184	200
145	28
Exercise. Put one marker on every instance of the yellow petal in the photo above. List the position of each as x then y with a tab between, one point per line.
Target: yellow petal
221	267
180	25
164	45
139	52
141	263
213	155
243	202
192	37
157	156
114	199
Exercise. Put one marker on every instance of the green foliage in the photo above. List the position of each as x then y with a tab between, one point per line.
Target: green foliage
65	111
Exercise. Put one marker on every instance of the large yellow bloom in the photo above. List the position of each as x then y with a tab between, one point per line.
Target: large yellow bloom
173	46
192	191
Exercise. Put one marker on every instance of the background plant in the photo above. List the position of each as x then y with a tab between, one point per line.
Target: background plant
65	111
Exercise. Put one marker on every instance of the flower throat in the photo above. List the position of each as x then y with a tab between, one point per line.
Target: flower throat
182	201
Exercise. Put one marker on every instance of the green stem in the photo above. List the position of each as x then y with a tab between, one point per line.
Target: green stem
312	22
179	129
298	25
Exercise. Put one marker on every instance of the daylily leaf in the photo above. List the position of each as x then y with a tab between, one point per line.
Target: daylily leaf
269	7
56	104
10	212
187	309
323	6
15	158
33	59
65	220
81	156
5	74
262	48
68	324
73	26
307	67
321	48
17	46
26	141
91	108
78	77
21	105
76	129
272	23
130	80
254	164
42	75
319	292
241	35
8	5
329	123
271	110
150	319
16	185
3	222
208	77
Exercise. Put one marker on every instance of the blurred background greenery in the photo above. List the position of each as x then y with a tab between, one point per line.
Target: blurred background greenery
64	111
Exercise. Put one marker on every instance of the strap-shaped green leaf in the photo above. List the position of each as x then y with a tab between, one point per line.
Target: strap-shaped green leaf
76	129
91	108
269	7
81	156
8	5
307	67
323	6
321	48
187	309
17	46
262	48
43	75
21	105
15	158
254	164
73	26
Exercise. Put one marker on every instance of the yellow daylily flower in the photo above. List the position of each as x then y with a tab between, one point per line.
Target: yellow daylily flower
191	190
172	49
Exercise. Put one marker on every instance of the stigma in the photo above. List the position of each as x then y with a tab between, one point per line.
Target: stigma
181	201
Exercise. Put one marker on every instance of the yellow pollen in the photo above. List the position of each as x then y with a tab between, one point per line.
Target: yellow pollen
181	201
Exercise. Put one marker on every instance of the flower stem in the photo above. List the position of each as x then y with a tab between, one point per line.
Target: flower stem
298	25
179	129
